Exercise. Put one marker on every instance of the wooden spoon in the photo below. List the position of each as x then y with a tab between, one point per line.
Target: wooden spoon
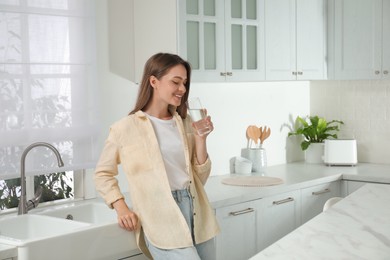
253	133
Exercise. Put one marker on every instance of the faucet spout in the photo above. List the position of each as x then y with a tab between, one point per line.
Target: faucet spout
24	207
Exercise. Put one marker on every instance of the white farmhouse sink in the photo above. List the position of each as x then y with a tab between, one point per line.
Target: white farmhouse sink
46	234
93	213
18	230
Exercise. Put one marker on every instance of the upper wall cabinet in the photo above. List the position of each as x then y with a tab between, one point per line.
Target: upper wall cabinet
295	36
359	39
223	39
137	30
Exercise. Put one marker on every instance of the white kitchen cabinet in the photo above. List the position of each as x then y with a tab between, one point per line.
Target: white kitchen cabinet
314	198
137	30
278	215
223	39
351	186
237	239
295	36
359	39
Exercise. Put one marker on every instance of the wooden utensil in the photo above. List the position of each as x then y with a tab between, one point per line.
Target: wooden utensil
253	133
264	134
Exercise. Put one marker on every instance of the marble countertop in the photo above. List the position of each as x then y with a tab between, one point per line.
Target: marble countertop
7	251
295	176
357	227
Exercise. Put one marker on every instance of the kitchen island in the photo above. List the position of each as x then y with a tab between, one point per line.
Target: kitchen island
357	227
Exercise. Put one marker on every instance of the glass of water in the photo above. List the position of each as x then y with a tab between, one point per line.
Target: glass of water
198	115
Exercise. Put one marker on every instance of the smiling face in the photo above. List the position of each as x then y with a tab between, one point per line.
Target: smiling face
170	88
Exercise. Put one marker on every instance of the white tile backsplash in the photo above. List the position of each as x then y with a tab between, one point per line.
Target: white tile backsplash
364	106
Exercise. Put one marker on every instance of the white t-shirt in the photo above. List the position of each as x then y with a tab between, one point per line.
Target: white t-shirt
172	150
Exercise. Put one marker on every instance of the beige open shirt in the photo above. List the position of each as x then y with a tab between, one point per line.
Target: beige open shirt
133	144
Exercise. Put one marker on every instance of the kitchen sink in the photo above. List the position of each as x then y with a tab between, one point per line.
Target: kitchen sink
18	230
47	234
93	213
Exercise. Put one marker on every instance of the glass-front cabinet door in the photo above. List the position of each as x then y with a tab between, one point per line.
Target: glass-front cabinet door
244	30
223	39
201	37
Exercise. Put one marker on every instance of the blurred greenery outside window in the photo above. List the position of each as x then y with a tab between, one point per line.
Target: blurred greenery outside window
56	186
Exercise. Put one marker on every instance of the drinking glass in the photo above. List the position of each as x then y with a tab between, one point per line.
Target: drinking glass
198	115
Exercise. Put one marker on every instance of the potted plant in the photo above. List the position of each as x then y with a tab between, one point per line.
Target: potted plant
315	130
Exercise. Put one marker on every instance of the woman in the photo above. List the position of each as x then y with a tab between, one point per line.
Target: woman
166	165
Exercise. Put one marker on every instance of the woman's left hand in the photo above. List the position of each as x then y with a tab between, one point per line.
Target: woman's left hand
209	124
200	141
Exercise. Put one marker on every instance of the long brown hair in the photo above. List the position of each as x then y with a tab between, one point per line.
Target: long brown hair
158	65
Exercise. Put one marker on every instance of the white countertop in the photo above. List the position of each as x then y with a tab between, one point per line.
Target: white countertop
7	251
295	176
357	227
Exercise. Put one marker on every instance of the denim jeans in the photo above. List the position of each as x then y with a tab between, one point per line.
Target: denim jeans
184	201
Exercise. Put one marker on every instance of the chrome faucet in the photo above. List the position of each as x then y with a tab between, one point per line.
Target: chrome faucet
25	206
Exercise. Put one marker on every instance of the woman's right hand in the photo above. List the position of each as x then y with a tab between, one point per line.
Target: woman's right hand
127	219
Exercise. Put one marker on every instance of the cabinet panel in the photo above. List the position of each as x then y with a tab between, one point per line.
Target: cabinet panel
352	186
237	239
295	39
280	38
223	40
244	40
201	35
358	39
314	198
311	40
386	40
279	215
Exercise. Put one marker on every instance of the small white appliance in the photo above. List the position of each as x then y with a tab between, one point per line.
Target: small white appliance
341	152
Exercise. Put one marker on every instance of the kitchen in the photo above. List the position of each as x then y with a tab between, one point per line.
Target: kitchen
362	104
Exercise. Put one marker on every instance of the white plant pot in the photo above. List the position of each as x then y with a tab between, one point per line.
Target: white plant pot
315	153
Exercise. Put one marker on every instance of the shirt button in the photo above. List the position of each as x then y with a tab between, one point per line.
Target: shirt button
194	214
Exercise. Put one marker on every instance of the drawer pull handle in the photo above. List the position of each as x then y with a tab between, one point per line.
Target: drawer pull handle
320	192
240	212
278	202
229	74
223	74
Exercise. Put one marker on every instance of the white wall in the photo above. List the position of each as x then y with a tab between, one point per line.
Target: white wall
235	106
364	106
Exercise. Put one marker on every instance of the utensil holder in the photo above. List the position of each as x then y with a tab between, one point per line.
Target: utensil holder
258	156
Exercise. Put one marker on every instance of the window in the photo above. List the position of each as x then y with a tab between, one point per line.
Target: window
55	186
48	90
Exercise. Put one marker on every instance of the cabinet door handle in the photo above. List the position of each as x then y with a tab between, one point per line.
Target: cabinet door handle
300	73
385	72
229	74
278	202
240	212
294	73
223	74
377	72
320	192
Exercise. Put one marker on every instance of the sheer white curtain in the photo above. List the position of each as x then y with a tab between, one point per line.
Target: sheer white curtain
48	89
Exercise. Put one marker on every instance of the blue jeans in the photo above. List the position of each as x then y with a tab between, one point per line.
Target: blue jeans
184	201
